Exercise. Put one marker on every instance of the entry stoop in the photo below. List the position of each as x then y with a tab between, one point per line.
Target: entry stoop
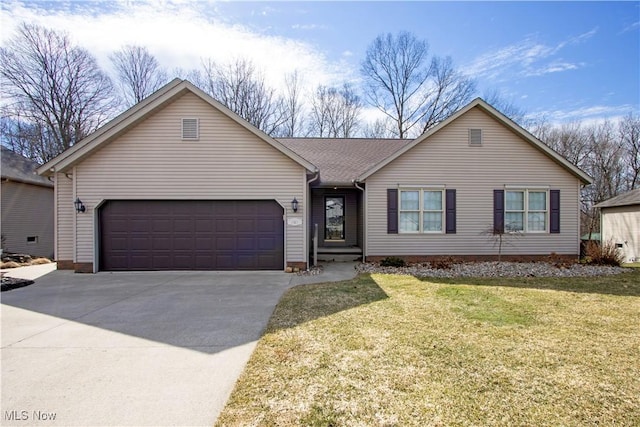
340	254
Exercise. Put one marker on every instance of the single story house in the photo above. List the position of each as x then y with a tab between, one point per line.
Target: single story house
620	223
180	182
27	203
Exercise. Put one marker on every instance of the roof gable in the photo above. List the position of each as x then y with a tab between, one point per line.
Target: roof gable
501	118
20	169
139	113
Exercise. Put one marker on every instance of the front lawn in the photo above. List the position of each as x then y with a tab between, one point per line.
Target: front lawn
389	350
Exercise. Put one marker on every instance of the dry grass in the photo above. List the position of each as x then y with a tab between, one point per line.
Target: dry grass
394	350
34	261
9	264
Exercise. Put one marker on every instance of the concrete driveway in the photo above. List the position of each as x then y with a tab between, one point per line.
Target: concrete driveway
152	348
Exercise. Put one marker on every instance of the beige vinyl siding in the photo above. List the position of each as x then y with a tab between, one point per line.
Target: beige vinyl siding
152	161
621	225
474	172
65	215
27	211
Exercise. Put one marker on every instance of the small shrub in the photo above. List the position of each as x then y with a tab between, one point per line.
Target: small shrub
605	254
39	261
444	263
393	261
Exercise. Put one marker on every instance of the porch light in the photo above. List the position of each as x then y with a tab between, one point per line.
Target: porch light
294	205
79	205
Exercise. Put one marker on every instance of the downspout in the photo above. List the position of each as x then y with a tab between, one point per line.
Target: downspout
308	208
364	226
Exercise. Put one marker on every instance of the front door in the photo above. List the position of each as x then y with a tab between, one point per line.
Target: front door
334	216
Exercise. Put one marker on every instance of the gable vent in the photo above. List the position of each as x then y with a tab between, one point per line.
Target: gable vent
190	129
475	136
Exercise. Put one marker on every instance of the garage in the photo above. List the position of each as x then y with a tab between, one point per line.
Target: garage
191	235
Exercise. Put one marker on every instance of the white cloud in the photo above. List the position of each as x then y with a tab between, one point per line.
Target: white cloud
308	27
554	67
631	27
587	115
179	34
526	58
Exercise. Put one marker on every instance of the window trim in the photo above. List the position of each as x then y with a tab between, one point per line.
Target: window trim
527	211
421	211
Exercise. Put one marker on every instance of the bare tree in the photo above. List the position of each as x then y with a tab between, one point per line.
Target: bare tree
506	107
570	140
242	89
334	112
379	129
55	92
411	90
501	236
139	73
629	129
293	104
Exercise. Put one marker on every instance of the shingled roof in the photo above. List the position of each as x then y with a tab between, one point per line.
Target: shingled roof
625	199
20	169
341	160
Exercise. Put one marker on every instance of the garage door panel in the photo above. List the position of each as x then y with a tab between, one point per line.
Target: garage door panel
204	244
226	243
224	224
224	262
245	243
204	225
247	262
267	225
182	224
267	244
139	224
186	235
160	225
246	225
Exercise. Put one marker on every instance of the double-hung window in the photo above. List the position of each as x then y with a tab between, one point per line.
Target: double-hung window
526	211
421	211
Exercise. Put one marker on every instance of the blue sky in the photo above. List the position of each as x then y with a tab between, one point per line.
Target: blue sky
565	60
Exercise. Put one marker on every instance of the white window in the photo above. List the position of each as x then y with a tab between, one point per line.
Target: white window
526	211
421	211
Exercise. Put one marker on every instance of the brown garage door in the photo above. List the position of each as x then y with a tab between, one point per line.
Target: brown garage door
191	235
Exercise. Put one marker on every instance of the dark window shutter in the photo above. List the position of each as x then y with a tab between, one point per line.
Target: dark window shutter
451	211
498	211
554	217
392	211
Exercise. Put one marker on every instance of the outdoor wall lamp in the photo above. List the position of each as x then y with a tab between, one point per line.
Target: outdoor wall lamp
79	205
294	205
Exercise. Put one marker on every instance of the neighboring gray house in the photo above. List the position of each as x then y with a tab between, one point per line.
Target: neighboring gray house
620	223
27	224
181	182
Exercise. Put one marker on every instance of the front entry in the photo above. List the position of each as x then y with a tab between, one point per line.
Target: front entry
338	214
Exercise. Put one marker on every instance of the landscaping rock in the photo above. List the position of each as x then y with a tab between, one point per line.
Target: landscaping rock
494	269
